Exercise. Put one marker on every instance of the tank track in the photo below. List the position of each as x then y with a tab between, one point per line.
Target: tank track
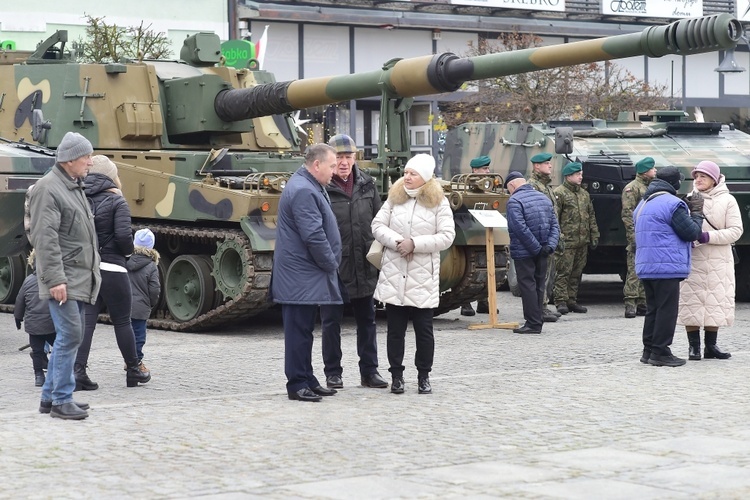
473	286
253	298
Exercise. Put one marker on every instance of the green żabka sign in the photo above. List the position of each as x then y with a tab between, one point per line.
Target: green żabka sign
238	53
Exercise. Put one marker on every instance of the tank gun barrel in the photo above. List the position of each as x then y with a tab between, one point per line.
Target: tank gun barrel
446	72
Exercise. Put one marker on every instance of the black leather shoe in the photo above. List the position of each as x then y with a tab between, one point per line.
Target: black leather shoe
576	308
694	353
548	317
374	380
397	385
68	411
322	391
629	311
467	310
483	307
562	309
640	310
424	385
39	378
335	382
667	360
646	355
46	406
713	352
526	329
304	394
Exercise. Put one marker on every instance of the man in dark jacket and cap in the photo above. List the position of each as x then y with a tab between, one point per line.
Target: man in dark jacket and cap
306	266
665	227
355	201
479	165
534	232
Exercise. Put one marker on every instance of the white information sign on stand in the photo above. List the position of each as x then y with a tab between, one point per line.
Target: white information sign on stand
489	218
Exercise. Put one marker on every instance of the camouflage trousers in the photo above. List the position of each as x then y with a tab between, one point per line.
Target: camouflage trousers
549	279
569	264
633	289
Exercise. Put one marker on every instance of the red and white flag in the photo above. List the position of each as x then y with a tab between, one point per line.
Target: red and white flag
260	48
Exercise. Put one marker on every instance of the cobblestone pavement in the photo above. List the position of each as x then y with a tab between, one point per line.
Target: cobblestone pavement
570	413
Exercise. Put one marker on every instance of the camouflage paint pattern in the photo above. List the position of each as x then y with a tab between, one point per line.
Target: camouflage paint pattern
162	123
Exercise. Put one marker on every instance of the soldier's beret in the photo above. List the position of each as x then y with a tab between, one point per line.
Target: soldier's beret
571	168
480	162
644	165
541	158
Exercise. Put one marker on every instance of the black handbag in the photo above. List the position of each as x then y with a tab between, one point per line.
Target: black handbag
735	254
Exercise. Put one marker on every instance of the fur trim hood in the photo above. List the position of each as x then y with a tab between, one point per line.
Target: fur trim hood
430	194
148	252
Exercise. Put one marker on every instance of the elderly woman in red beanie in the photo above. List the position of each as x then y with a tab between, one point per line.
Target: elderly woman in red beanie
707	295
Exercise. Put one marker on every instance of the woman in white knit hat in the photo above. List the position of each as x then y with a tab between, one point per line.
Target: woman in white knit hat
414	224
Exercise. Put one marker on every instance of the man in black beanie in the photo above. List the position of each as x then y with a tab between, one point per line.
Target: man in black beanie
665	227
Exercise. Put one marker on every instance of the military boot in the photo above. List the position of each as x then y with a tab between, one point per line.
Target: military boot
467	310
562	309
576	308
640	310
629	311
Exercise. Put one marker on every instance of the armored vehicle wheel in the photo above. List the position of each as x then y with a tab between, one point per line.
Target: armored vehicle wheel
231	262
189	287
12	274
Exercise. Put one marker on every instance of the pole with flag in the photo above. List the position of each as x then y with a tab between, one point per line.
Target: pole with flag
260	47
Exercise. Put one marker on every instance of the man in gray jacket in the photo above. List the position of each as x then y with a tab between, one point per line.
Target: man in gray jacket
67	264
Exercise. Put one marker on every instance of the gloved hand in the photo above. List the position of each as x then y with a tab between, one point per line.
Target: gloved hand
547	251
695	203
703	238
18	324
594	244
560	244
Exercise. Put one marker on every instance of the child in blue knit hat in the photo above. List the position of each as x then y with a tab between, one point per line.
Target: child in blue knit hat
144	282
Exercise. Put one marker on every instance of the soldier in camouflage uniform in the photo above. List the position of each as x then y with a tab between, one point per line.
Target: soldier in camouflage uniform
579	231
540	179
635	296
479	165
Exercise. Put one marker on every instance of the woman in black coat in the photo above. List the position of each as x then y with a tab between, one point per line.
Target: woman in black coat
113	230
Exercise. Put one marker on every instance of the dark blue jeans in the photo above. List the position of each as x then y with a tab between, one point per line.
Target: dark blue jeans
68	319
139	329
531	273
367	344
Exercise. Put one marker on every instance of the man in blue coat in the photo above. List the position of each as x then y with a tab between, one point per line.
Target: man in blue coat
534	233
665	227
305	268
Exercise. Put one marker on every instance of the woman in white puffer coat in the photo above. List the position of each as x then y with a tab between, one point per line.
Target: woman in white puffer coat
414	225
707	295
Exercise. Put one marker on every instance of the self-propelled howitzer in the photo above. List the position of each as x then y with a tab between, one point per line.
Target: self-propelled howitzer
204	151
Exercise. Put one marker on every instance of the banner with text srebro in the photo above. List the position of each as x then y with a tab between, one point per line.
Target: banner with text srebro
653	8
552	5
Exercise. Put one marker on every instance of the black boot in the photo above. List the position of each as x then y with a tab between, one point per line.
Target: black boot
711	350
39	378
694	339
136	373
83	382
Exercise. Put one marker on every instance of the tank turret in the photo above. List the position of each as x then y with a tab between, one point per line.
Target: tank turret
204	151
